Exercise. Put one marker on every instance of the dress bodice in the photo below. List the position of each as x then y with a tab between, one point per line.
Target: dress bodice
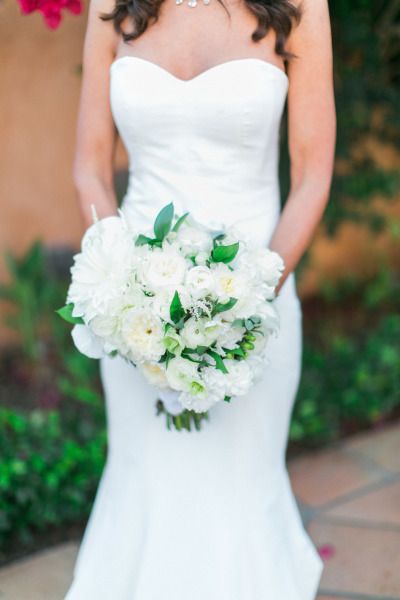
208	144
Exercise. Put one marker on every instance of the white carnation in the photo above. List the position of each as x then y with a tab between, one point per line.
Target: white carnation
239	377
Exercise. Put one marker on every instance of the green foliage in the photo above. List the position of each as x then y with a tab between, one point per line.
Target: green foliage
366	44
351	361
48	473
31	293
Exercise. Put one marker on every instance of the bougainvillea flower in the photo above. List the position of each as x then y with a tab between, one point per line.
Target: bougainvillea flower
326	551
51	9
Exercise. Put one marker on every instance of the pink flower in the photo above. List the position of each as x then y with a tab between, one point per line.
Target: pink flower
51	9
326	551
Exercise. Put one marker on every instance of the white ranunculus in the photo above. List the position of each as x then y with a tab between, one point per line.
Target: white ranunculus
200	282
87	342
183	375
142	332
101	270
194	239
155	374
239	377
200	332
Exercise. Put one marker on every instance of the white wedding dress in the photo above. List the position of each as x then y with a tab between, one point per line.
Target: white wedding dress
206	515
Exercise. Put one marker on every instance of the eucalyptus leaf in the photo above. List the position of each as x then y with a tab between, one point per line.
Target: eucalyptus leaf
180	221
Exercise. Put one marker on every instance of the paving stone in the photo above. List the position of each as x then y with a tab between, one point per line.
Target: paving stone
325	476
383	447
365	561
45	576
381	506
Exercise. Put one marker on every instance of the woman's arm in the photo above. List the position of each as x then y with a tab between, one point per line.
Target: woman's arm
96	133
312	133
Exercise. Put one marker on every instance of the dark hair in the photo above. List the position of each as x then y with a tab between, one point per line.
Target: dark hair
279	15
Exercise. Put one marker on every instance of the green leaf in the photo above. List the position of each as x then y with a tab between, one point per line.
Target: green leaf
66	313
225	254
179	222
220	307
162	224
227	398
219	363
142	240
176	310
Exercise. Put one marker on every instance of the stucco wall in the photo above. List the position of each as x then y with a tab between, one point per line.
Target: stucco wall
39	74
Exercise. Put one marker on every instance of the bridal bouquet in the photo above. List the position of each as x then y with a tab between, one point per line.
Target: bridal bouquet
191	308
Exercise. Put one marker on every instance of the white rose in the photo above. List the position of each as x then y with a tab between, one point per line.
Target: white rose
230	284
200	332
155	374
163	269
142	332
199	282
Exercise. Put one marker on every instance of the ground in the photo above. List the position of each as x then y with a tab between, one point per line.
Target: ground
349	496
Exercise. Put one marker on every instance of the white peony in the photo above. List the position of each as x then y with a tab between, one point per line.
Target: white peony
101	270
142	333
87	342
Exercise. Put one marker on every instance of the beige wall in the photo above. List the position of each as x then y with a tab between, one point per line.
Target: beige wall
38	102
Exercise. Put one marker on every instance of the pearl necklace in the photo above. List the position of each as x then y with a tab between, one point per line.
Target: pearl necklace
192	3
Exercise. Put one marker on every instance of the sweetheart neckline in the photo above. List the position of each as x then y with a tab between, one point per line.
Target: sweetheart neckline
206	71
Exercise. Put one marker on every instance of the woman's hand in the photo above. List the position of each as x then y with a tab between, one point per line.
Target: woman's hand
96	134
312	133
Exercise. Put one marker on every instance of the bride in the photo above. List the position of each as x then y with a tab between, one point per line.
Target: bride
196	90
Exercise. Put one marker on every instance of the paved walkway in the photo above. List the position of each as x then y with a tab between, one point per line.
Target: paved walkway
350	500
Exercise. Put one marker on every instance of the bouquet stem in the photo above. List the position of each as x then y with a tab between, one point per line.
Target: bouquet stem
187	419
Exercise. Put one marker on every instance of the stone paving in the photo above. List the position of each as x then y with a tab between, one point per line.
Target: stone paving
349	497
